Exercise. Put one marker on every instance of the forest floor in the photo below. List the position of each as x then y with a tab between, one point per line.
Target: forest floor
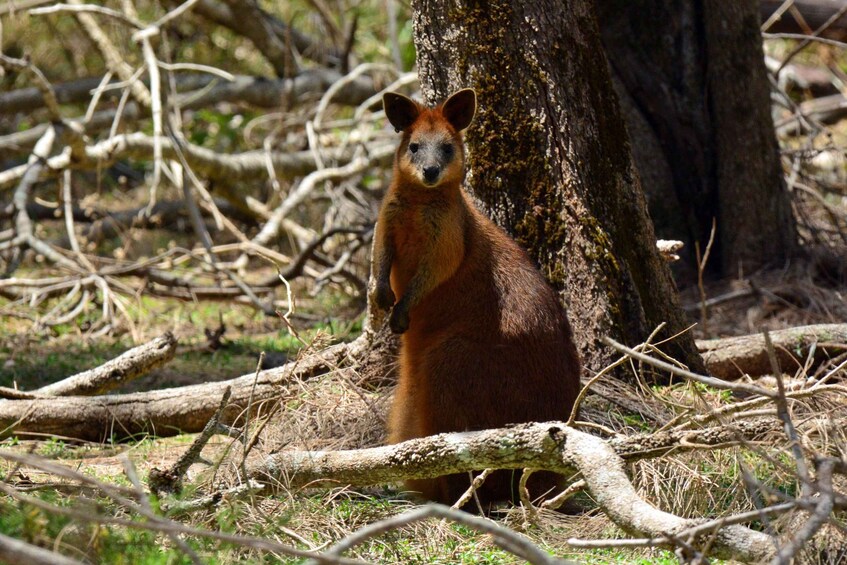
334	412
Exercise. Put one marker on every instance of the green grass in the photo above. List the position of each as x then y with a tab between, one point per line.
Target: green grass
88	540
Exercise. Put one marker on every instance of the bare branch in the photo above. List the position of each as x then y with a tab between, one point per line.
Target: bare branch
16	551
249	165
549	446
162	412
122	369
507	539
688	375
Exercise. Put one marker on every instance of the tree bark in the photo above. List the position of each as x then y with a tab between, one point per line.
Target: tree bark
703	141
550	160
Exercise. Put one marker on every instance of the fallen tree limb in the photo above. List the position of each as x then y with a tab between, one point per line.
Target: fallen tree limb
547	446
517	447
205	91
825	110
731	358
814	13
222	14
122	369
162	412
16	551
249	165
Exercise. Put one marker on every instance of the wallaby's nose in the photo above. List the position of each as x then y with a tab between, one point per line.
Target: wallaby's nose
431	174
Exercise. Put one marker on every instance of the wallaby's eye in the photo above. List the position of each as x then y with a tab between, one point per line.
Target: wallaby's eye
447	149
413	147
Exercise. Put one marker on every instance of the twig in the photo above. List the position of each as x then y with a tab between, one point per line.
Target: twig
509	540
475	484
88	8
806	39
111	55
271	228
180	508
688	375
152	522
557	501
47	92
701	268
785	416
819	517
251	439
170	480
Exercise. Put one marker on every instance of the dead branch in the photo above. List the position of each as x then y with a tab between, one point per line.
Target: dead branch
195	91
112	56
170	480
732	357
810	14
128	366
824	110
253	25
151	522
16	551
222	14
688	375
249	165
122	369
549	446
517	447
505	538
162	412
820	515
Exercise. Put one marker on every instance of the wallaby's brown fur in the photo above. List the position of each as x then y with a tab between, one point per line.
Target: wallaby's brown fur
485	341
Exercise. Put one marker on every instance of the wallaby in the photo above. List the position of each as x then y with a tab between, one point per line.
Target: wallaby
485	340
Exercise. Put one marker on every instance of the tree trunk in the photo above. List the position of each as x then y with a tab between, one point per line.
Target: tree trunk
550	160
698	110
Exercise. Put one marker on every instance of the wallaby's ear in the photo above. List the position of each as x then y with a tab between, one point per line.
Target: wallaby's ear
400	110
460	108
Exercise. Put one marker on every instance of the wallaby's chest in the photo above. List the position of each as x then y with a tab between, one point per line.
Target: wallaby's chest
428	241
411	242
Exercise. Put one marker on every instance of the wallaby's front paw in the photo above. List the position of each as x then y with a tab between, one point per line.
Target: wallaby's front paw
384	297
399	320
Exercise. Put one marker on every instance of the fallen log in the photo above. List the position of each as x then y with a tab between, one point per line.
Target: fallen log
161	412
731	358
545	446
187	409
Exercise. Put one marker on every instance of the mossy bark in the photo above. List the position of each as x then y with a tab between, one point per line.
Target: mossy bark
699	115
550	161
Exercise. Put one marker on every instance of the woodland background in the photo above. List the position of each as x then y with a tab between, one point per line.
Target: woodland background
187	195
